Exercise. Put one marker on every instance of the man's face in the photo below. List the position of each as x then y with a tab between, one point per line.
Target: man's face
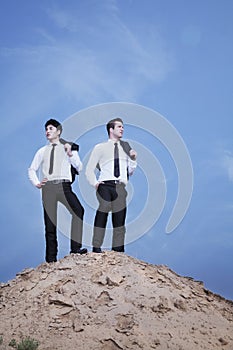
52	133
118	130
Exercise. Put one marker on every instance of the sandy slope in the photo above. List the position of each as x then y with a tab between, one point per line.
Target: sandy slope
112	301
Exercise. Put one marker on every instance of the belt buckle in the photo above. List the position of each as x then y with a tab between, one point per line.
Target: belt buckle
56	182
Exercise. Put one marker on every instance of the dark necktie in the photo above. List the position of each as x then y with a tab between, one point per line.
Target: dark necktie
116	161
52	159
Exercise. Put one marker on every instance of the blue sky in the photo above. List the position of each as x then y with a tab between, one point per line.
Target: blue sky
173	57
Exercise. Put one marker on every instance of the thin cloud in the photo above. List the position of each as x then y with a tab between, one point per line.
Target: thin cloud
227	163
63	19
88	58
124	62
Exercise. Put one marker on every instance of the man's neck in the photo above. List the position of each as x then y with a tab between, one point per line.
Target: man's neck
114	139
55	140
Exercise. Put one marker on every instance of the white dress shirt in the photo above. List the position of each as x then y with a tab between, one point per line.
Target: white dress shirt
103	154
61	166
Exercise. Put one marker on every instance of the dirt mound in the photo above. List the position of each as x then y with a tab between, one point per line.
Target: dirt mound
112	301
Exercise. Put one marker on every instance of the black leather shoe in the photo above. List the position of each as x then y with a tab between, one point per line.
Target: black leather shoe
80	251
96	250
119	249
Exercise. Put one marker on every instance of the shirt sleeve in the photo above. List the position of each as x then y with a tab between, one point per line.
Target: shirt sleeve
132	165
34	167
75	161
91	167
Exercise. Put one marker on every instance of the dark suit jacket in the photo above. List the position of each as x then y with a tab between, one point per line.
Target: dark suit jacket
74	147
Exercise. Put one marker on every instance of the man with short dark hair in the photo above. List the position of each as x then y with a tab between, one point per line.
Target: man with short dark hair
115	165
55	160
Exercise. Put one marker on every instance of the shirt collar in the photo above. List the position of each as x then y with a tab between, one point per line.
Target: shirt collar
54	143
113	141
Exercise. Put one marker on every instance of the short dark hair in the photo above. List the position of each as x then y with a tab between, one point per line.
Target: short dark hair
111	124
55	123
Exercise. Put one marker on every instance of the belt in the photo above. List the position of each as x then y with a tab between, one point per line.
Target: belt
56	182
114	182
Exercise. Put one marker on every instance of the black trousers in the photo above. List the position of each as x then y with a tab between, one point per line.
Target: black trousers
111	197
51	195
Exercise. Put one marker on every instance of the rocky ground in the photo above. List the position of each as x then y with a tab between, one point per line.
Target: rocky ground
112	301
